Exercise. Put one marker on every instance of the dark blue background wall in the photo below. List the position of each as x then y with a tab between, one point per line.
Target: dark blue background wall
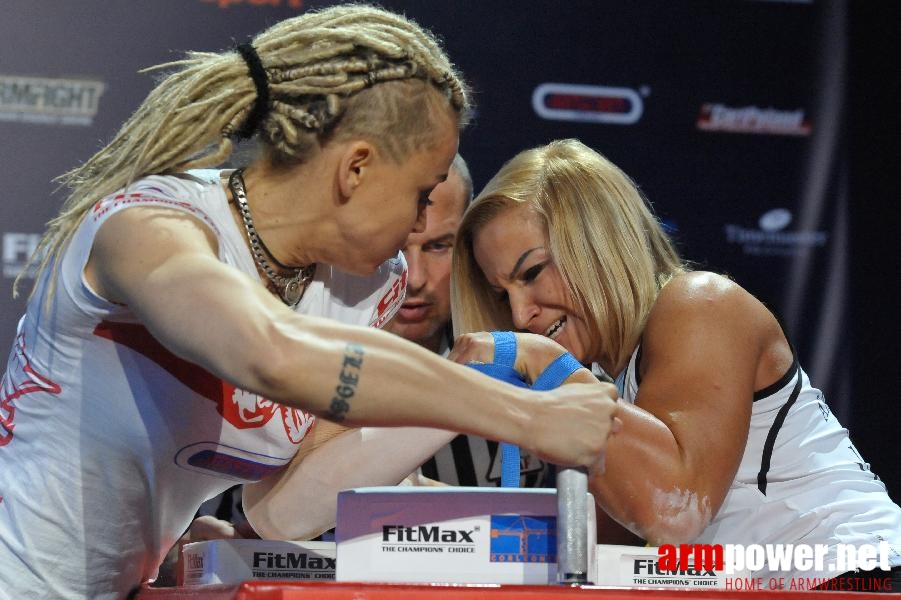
764	133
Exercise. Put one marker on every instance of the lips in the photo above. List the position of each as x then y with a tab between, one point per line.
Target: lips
413	312
556	327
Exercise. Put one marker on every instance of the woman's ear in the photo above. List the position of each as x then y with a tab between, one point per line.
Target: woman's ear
354	166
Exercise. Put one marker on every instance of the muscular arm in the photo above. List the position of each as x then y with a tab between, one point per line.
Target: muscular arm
300	501
163	265
707	346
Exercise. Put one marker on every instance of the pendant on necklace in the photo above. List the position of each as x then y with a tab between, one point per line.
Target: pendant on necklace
293	292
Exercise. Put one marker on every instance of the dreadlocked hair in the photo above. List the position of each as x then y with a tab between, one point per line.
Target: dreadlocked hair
343	72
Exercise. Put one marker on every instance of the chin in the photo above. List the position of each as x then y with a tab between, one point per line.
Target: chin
365	265
371	269
360	268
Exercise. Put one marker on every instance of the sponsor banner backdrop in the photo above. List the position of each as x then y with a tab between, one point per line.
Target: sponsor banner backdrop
727	114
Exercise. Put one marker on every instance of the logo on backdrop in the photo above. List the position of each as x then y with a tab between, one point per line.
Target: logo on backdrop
49	101
752	119
771	237
17	247
588	103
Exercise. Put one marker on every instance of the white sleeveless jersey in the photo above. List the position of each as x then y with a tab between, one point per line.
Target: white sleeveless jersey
109	442
800	481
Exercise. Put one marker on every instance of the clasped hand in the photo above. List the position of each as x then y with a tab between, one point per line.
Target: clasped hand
583	405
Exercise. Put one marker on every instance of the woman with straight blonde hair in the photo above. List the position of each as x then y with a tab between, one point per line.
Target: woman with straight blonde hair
723	439
187	325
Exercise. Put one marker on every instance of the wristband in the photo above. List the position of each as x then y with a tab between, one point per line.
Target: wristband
556	373
500	372
510	465
504	348
510	459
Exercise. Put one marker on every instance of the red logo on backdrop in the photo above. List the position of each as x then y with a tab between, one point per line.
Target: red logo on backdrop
587	103
244	410
717	117
21	381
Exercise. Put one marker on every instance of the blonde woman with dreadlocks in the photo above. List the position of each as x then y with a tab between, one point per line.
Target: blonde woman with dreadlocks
186	326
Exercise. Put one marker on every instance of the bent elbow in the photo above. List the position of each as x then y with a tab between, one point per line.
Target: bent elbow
675	517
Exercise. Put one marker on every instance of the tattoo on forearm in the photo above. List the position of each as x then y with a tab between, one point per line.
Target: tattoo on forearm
347	382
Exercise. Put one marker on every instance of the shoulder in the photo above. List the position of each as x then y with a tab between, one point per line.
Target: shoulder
180	192
705	295
700	284
704	312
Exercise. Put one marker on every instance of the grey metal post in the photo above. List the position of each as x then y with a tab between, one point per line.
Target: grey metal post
572	526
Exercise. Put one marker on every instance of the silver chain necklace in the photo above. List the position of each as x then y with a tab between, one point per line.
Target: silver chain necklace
290	289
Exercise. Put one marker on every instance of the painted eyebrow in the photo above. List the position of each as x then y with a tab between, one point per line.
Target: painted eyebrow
519	262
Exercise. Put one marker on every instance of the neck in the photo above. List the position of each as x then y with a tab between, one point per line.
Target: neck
274	200
298	204
291	282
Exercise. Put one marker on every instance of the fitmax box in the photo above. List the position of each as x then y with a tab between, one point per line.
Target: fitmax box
234	561
636	566
451	535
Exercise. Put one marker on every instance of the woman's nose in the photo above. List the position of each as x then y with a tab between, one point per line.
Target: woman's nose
416	272
522	309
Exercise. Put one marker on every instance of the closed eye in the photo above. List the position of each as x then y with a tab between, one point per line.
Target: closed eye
530	274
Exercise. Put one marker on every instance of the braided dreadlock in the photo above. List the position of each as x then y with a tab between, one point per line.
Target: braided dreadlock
349	71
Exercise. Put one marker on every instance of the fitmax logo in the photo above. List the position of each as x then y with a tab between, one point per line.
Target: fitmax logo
647	566
292	560
426	533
